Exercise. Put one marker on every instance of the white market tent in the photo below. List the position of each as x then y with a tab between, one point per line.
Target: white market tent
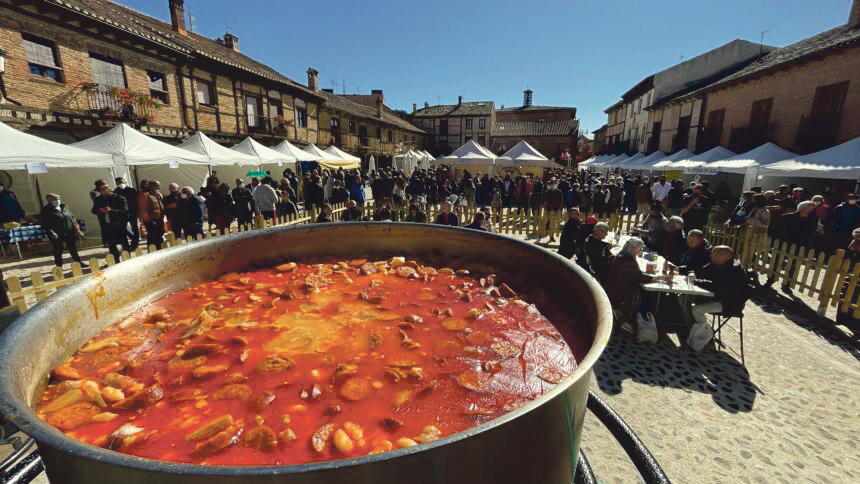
623	163
328	160
525	158
615	161
713	154
292	150
471	156
227	164
644	163
763	155
151	159
406	161
21	153
840	162
664	164
342	154
268	159
603	161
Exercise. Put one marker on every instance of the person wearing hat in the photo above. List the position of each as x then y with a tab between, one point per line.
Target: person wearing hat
842	221
584	231
653	225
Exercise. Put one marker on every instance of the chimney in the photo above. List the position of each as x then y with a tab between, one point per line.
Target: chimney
414	108
177	17
312	79
231	41
377	93
459	100
379	107
426	104
527	98
854	17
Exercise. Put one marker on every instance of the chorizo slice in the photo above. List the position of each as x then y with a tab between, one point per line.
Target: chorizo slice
142	399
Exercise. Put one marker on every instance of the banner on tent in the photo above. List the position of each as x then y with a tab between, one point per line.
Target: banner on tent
701	170
37	168
173	164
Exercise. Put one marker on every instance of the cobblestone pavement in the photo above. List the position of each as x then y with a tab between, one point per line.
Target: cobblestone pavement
790	415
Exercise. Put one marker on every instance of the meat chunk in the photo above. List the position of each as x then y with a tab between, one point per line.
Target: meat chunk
72	416
321	436
274	364
231	392
142	399
219	441
261	402
195	350
208	371
211	428
261	438
65	372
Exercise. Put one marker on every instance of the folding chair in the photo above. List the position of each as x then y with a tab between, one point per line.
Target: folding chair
721	320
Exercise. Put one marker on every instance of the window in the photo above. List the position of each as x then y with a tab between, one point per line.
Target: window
42	58
468	123
443	127
107	71
482	140
378	133
157	86
391	136
252	111
205	96
829	100
276	108
335	124
482	123
301	117
760	112
351	127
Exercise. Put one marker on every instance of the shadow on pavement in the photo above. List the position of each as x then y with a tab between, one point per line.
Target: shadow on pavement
669	365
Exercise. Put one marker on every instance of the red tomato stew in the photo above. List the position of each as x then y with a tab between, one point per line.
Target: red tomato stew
303	363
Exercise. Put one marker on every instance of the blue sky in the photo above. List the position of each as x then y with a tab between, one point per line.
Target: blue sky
570	53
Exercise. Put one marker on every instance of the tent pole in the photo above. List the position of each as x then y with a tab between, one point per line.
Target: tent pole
38	189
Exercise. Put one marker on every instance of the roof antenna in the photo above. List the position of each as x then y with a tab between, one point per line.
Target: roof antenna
344	86
190	18
761	38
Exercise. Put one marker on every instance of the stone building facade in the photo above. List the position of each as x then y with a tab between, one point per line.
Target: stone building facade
65	62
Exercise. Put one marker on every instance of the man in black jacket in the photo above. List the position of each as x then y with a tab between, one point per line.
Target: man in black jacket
112	211
130	195
597	252
725	277
244	201
698	253
568	246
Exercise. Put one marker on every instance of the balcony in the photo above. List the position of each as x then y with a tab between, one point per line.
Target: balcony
743	139
817	132
264	125
117	104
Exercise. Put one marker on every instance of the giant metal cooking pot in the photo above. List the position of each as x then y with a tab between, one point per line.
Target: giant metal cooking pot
537	443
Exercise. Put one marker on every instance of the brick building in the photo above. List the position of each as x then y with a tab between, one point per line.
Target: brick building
804	97
66	61
552	130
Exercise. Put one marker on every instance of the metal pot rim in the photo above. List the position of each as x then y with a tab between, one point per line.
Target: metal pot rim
16	410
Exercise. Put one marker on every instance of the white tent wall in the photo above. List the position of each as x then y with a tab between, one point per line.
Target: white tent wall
73	185
228	174
193	176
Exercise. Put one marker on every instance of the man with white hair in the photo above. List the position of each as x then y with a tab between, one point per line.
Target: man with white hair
597	252
173	209
671	242
725	277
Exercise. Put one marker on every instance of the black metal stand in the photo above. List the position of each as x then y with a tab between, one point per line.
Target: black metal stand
31	466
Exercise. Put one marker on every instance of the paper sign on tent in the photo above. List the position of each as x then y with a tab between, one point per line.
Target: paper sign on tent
37	168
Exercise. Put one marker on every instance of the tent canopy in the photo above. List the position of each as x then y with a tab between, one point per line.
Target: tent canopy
263	154
292	150
645	163
765	154
523	154
329	160
713	154
131	147
470	152
841	161
218	155
666	162
17	149
342	154
623	164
